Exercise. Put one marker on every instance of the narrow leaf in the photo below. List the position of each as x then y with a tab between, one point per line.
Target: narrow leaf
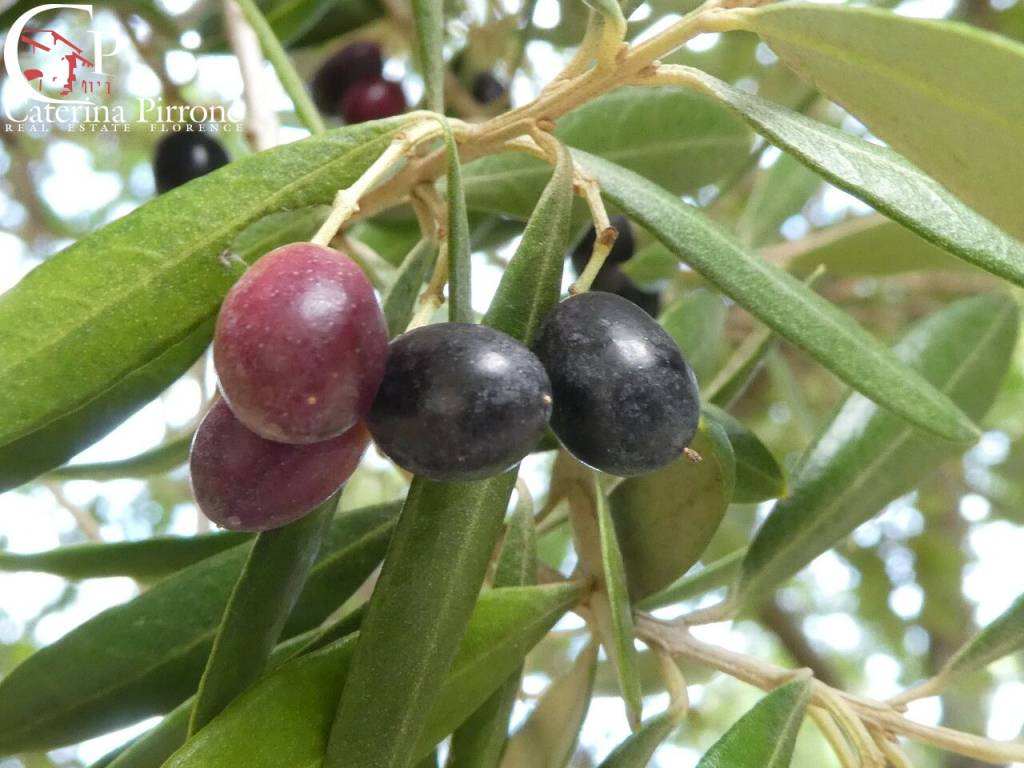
430	581
460	298
263	597
163	458
739	370
758	475
884	180
399	301
147	560
783	303
665	519
70	371
638	750
866	457
926	88
146	656
480	741
284	721
1001	637
428	20
531	284
618	637
766	735
548	738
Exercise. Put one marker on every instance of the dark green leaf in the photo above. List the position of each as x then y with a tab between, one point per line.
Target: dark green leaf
147	560
617	636
430	580
266	591
296	704
479	742
783	303
146	288
399	300
163	458
548	738
758	474
666	518
146	656
883	179
531	284
946	95
428	20
867	457
460	297
766	735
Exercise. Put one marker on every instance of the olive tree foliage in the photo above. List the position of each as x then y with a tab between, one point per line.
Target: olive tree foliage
845	361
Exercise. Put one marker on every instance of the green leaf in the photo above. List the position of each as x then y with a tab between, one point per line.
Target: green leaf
266	591
766	735
617	635
696	323
430	580
147	288
780	192
428	20
681	140
399	301
163	458
548	738
666	518
637	750
868	246
146	656
432	573
758	475
480	740
284	721
1001	637
531	284
739	370
946	95
883	179
152	749
460	298
866	457
147	560
712	576
782	302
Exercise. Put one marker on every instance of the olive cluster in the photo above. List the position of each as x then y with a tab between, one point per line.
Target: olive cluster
308	377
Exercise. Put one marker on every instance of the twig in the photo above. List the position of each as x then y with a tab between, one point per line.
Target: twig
261	124
290	80
86	522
